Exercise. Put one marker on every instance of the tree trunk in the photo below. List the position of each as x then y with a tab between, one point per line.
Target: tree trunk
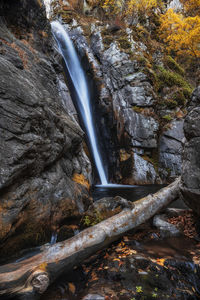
29	278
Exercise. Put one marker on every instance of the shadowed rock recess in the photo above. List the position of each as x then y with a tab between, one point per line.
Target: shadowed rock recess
41	152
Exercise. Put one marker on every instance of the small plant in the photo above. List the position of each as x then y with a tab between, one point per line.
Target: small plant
139	289
91	220
137	109
167	117
87	221
98	218
154	295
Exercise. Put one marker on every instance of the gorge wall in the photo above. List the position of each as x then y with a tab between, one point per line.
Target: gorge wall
41	151
142	92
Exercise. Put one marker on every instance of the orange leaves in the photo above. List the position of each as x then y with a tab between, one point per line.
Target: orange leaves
182	34
186	222
80	178
160	261
94	276
71	287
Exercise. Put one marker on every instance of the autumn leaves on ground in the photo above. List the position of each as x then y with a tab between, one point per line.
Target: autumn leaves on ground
139	267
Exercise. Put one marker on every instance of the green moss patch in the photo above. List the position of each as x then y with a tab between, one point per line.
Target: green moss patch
170	79
173	65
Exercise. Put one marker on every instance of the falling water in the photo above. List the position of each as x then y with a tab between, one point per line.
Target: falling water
80	84
54	237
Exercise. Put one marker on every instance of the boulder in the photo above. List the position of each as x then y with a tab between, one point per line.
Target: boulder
190	184
143	171
41	151
165	228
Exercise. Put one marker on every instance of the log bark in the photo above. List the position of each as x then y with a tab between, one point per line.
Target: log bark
29	278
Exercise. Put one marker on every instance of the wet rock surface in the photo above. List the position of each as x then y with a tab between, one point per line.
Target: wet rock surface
41	144
191	164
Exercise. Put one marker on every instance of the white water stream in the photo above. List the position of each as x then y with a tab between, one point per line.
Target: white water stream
78	78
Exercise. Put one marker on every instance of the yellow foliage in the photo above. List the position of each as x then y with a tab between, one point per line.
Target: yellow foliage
131	6
113	6
141	5
182	34
80	178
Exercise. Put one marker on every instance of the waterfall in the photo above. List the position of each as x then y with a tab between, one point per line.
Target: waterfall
79	81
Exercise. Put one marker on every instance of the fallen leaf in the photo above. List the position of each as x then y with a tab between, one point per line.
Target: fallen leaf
160	261
72	287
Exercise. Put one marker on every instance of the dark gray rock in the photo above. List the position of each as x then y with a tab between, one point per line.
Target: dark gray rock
41	144
110	204
171	148
166	229
190	185
143	171
141	129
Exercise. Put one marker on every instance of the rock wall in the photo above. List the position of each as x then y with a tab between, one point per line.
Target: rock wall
42	161
144	143
191	157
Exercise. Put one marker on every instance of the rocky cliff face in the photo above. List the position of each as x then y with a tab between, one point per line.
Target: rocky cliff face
141	107
41	152
191	161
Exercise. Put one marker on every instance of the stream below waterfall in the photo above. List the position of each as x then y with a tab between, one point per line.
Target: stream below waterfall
131	193
134	270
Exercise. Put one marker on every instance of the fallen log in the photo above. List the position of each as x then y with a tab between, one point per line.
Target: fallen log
29	278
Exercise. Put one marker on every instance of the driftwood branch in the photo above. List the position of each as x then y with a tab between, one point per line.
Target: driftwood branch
29	278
